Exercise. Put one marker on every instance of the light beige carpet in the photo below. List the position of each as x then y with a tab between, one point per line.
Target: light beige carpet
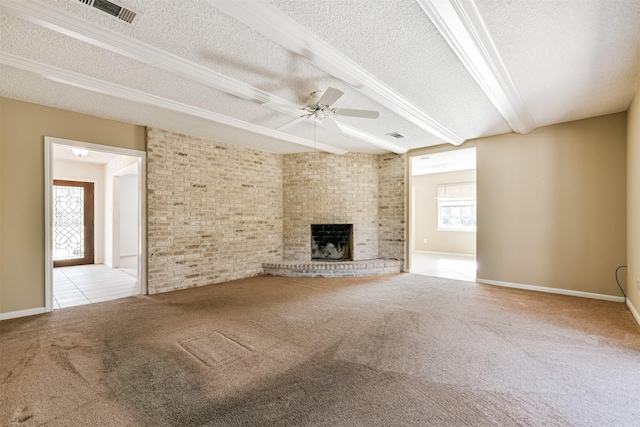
384	351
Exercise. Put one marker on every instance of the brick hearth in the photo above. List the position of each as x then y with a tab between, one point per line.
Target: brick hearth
333	269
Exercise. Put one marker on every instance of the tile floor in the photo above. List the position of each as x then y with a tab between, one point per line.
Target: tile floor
449	266
86	284
129	264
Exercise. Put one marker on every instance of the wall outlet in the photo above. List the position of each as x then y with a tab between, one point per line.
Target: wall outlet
425	240
638	283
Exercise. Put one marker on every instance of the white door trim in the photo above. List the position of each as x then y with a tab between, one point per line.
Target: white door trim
49	142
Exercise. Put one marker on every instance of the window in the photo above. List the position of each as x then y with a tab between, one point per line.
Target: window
457	206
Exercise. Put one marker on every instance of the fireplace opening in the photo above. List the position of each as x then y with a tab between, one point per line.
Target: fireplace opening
331	242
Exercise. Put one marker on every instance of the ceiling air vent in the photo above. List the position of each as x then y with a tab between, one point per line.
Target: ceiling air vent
396	135
112	9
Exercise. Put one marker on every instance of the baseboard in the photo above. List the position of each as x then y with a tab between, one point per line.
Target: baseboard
633	311
552	290
22	313
445	253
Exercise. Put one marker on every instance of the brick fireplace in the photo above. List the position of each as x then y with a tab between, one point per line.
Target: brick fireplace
322	188
219	212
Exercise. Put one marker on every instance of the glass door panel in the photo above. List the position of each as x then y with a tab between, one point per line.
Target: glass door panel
72	223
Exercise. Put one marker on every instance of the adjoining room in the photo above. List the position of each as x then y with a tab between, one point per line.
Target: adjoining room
443	208
96	223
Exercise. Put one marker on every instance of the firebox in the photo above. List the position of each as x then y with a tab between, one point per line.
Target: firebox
332	242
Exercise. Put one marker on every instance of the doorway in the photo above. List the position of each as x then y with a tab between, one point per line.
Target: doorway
83	218
442	201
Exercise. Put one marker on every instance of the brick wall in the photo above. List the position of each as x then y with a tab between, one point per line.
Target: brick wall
392	194
217	212
214	211
321	188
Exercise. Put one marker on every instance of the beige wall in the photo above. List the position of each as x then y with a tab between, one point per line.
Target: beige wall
552	205
425	218
633	202
23	127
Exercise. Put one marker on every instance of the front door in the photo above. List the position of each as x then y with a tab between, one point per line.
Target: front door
72	223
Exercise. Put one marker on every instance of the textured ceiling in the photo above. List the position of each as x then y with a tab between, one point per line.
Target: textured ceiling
235	71
445	161
571	59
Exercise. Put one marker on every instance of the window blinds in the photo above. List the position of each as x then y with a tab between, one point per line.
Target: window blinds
457	190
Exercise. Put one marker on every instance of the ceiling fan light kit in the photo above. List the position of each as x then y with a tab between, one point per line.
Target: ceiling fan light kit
320	108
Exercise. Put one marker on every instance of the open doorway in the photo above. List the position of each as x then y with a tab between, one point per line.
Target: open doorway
443	214
94	209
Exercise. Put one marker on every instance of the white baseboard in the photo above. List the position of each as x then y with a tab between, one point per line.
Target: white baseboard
633	311
552	290
22	313
445	253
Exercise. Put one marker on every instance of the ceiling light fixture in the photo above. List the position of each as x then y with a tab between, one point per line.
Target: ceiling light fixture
80	152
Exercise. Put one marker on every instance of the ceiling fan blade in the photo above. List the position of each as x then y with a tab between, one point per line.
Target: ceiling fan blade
331	125
330	96
367	114
291	123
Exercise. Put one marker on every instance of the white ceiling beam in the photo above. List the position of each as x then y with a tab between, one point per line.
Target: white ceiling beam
54	19
277	26
59	21
462	26
367	137
121	92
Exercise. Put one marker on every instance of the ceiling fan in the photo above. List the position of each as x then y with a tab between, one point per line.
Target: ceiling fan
319	107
